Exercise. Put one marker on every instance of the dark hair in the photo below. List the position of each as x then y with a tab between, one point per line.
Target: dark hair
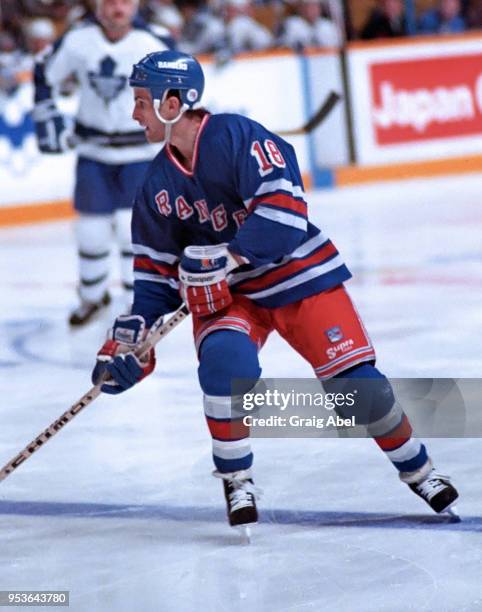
173	93
199	112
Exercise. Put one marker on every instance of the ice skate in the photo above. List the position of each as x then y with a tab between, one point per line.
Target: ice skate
435	488
86	311
240	494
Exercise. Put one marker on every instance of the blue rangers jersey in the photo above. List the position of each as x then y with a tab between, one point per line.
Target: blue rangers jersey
100	68
244	189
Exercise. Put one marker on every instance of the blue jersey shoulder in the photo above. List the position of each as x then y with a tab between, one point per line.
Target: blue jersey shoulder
243	130
237	124
239	132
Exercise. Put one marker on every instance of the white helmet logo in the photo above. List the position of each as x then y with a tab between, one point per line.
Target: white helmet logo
192	95
177	65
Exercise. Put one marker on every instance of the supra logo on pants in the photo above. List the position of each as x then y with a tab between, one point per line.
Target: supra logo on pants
341	348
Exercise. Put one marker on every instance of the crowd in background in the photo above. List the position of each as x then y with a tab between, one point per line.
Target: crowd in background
390	19
227	27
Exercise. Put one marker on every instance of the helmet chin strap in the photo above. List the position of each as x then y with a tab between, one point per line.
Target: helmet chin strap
168	122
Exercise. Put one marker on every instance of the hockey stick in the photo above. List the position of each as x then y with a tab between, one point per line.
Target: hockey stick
321	114
158	330
116	140
121	140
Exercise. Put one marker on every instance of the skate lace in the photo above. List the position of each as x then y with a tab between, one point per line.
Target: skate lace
432	485
243	491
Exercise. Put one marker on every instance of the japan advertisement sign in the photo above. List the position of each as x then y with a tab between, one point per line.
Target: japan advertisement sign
419	99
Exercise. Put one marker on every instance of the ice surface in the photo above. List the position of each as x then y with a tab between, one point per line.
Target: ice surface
120	507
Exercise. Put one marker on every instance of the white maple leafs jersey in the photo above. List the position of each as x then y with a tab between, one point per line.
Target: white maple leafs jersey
101	70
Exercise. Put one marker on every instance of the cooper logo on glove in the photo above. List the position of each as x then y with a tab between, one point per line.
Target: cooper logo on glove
203	276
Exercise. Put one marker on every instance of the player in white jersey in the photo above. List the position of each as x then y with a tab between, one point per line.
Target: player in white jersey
113	152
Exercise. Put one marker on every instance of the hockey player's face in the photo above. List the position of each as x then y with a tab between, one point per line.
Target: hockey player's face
145	116
116	14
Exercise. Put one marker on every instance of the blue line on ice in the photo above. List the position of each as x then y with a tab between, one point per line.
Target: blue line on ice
380	520
23	331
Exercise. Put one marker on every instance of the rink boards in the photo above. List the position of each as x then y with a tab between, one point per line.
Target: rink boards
410	108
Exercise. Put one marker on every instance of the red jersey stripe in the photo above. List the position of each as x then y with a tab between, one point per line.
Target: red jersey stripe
297	265
144	263
280	200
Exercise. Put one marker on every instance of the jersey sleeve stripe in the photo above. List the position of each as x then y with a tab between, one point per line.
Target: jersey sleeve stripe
276	186
280	185
154	278
279	216
291	268
299	279
307	248
141	249
143	263
282	201
318	240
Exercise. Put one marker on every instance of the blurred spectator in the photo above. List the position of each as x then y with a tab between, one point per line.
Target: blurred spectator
8	81
309	28
202	31
445	19
13	66
58	10
14	13
11	19
82	9
39	33
474	14
163	14
387	20
242	31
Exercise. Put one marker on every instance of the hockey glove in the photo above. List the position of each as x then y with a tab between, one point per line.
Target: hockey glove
50	128
202	273
117	359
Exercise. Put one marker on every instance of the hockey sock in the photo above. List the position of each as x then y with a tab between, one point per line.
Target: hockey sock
384	417
226	355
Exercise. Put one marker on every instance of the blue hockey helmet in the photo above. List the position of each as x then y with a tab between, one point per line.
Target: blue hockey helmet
162	71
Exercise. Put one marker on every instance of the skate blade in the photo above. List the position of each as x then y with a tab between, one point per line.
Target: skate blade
453	514
245	532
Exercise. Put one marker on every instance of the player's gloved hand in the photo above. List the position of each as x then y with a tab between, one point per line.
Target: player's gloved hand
117	358
202	273
50	128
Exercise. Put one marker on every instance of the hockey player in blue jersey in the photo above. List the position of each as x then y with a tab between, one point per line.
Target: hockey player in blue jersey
222	200
113	153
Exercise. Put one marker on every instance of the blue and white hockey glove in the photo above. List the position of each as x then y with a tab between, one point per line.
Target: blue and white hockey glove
50	128
203	276
117	358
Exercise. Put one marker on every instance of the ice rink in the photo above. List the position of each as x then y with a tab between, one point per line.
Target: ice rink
120	508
